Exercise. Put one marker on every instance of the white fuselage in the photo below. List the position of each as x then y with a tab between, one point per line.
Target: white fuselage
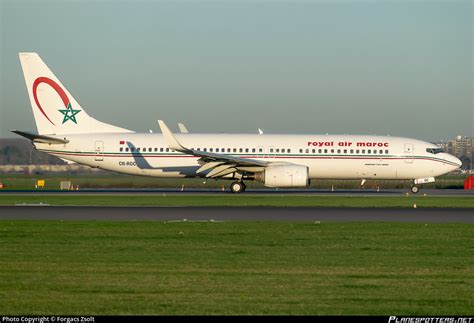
326	156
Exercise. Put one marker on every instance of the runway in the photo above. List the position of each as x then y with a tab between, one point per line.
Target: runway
308	214
266	191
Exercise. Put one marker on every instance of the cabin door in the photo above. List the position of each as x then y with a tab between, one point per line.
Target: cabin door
408	153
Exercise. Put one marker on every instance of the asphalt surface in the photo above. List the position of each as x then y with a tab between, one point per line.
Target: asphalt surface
308	214
198	191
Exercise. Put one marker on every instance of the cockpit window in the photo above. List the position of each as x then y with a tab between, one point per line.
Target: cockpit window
435	150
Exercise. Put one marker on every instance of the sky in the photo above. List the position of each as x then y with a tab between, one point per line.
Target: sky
399	68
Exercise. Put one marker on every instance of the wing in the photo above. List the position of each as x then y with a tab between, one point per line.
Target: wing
218	164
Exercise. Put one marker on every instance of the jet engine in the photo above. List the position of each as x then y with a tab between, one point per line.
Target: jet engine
284	176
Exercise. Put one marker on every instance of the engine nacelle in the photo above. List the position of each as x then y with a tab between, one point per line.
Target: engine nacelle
284	176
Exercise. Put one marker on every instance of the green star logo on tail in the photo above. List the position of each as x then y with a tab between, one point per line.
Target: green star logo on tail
69	113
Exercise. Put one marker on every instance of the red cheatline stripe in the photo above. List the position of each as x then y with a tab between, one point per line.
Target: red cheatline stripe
288	157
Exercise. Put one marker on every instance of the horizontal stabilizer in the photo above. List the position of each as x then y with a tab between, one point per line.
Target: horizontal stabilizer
41	138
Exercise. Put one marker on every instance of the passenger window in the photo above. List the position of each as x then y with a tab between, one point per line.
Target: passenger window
210	149
320	151
380	151
228	150
204	149
121	149
156	149
271	150
386	151
375	151
369	151
345	151
278	150
167	149
301	150
240	150
149	149
352	151
246	150
325	151
313	151
234	150
332	151
253	150
307	151
217	150
363	151
260	150
338	151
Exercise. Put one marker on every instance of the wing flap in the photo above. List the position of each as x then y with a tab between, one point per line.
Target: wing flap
218	170
224	172
207	166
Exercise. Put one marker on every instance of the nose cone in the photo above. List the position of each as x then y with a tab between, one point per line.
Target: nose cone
454	161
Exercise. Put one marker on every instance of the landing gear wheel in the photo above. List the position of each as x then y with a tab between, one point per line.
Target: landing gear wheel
237	187
415	189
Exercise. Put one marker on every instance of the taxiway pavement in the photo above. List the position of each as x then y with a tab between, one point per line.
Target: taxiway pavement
308	214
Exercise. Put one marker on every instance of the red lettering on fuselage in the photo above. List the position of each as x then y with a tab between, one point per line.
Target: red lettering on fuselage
321	143
346	144
372	144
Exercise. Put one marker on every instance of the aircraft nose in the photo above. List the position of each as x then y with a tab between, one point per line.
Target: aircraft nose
454	160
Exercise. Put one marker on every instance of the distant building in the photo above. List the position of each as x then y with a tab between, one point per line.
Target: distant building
462	147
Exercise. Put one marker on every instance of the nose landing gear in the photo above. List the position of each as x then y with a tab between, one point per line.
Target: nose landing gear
415	189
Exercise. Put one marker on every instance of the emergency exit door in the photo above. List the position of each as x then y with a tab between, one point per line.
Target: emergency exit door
99	151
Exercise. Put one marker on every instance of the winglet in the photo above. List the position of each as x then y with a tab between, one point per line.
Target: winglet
182	128
169	137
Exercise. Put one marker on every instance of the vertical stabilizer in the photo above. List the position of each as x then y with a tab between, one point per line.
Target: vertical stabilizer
54	108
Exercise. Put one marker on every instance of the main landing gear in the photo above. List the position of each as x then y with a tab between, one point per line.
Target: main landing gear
415	189
237	187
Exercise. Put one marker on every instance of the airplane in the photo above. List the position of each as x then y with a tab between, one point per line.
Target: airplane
67	131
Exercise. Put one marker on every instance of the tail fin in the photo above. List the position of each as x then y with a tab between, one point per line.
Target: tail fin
55	109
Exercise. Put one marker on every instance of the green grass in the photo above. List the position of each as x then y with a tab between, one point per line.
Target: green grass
240	200
111	180
235	268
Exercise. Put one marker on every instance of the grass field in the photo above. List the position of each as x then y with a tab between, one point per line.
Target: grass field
240	200
235	268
